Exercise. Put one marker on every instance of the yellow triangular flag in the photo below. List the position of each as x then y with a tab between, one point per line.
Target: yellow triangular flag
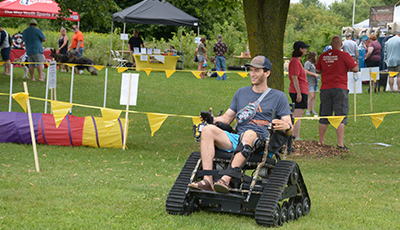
196	74
60	109
21	98
243	74
336	120
71	65
295	120
377	119
110	117
220	73
121	69
156	121
147	70
392	74
373	76
169	72
98	67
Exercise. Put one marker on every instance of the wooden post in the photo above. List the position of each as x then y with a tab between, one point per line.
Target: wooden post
126	113
28	106
370	87
355	93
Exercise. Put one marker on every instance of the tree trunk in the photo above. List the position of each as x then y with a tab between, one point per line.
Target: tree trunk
266	22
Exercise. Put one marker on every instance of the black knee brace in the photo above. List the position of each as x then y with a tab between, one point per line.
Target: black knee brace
247	151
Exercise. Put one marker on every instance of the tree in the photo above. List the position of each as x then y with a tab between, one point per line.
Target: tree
266	21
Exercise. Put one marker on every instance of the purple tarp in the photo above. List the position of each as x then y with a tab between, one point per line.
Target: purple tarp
14	127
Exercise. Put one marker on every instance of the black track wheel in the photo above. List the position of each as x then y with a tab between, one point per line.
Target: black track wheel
178	201
283	215
306	206
294	176
291	213
299	210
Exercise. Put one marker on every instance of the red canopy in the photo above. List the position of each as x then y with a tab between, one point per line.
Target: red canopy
33	9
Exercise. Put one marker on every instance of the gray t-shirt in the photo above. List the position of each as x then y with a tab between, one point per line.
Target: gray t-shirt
350	47
274	100
312	80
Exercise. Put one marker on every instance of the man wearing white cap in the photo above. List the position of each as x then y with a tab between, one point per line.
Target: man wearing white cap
251	130
33	38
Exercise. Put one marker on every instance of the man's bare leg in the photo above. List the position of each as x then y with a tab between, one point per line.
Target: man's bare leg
340	134
212	136
391	82
40	71
322	131
248	139
32	72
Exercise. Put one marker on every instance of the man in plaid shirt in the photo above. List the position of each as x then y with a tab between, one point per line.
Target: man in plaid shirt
220	49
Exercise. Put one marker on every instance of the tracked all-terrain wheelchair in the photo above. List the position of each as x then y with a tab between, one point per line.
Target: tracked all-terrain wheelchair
272	190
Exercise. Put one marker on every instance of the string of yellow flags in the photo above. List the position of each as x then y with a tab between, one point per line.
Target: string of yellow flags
60	110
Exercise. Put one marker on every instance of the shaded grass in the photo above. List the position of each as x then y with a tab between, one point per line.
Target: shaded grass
91	188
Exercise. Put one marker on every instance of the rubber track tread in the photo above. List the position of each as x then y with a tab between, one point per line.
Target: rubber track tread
272	192
177	194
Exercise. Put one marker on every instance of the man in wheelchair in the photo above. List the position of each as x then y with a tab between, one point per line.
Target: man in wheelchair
253	108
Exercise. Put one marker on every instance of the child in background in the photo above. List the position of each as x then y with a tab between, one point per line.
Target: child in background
212	73
312	79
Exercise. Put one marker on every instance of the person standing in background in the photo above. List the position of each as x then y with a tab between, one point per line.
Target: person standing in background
312	79
351	47
220	48
5	50
63	44
373	55
333	66
201	52
135	42
77	43
392	50
33	38
298	88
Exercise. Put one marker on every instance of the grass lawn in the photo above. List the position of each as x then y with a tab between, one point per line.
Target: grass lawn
102	188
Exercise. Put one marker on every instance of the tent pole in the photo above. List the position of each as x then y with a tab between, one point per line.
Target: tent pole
112	24
354	10
123	43
198	31
180	49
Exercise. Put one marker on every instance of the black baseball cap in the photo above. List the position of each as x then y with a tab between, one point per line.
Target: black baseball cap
260	62
300	44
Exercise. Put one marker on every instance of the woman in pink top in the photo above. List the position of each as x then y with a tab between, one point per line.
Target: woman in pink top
298	88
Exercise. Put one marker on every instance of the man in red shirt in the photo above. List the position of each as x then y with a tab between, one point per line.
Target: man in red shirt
333	66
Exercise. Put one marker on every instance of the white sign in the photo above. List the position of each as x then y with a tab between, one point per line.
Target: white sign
125	88
197	40
157	51
350	82
143	50
52	74
365	73
150	51
144	58
124	37
136	50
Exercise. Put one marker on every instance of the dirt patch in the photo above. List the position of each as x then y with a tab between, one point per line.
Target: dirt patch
310	148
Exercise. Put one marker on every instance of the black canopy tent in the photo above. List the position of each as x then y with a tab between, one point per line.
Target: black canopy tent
153	12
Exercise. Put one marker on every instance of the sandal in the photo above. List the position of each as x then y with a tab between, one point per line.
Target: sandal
221	186
201	185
